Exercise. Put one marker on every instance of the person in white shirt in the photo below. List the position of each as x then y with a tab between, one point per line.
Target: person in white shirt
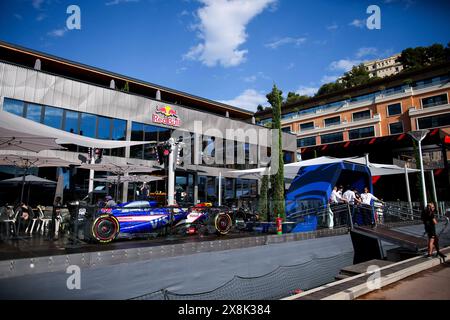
335	199
367	200
367	197
350	197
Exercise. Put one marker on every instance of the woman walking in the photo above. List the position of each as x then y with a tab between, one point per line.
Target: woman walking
429	221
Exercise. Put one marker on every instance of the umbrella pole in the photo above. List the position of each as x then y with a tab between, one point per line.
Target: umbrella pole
28	197
23	186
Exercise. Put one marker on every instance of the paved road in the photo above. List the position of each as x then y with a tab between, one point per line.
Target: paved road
432	284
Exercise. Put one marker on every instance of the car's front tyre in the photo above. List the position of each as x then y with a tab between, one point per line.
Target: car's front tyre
105	228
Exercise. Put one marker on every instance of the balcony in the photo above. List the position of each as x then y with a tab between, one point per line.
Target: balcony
340	127
435	109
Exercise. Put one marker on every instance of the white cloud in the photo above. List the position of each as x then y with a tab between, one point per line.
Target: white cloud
57	33
367	51
37	3
334	26
41	17
284	41
180	70
18	16
344	64
254	77
249	99
306	91
250	78
222	30
116	2
358	23
290	66
328	79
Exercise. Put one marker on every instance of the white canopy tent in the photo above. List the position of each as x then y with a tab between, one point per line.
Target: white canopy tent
27	161
117	169
13	122
291	169
15	140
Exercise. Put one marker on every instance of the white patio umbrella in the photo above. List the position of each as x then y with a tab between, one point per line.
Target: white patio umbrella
30	180
27	161
118	169
15	140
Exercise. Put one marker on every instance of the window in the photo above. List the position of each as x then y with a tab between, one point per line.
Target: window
394	109
88	125
361	115
104	128
137	134
307	126
150	134
396	127
332	121
288	157
286	129
13	106
53	117
34	112
332	137
441	120
361	133
119	131
305	142
71	121
434	101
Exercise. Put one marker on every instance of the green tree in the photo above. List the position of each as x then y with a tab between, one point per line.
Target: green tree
275	99
294	97
126	88
355	77
330	88
259	108
420	57
262	204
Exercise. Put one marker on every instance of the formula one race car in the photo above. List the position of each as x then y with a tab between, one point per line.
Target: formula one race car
140	217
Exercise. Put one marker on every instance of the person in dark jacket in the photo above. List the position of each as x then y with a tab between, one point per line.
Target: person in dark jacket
429	221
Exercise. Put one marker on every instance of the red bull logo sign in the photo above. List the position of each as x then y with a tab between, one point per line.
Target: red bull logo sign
166	115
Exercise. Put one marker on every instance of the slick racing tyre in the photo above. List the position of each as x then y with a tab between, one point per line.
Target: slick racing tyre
105	228
222	223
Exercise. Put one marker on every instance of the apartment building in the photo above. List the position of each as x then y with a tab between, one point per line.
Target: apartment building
375	119
384	67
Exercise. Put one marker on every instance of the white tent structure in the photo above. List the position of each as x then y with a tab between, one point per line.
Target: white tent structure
117	169
291	169
12	122
27	161
16	140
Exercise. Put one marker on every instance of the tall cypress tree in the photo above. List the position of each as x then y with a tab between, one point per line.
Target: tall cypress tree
262	204
275	99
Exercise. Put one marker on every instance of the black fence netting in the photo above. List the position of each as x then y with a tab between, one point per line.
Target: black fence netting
277	284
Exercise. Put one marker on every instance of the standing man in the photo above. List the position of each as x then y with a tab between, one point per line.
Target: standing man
430	222
367	200
335	199
350	197
57	204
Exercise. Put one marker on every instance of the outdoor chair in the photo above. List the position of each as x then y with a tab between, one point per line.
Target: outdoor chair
45	217
36	221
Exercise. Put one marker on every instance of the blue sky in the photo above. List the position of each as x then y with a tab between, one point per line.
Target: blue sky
226	50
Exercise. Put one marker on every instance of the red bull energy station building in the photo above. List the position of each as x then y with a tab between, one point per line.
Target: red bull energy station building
213	139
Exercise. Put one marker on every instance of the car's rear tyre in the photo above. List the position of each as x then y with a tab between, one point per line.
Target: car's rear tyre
105	228
223	223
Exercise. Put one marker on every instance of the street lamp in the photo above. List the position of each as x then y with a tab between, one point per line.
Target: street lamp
419	135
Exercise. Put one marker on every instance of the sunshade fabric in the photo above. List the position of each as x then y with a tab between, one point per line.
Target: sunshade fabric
12	122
